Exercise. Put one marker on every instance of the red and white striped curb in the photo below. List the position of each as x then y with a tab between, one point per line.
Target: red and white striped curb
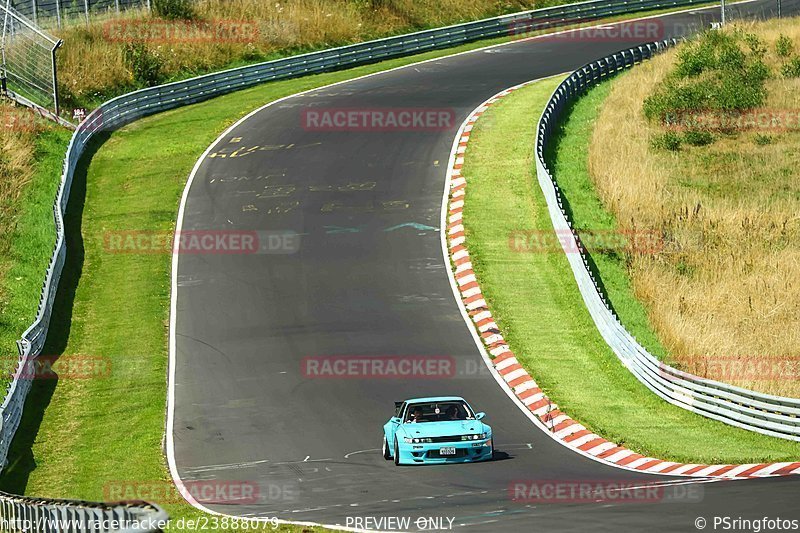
561	426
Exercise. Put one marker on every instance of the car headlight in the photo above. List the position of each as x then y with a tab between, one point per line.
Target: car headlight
480	436
408	440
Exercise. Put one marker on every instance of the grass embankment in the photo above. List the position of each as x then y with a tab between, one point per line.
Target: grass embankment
31	152
723	294
536	302
138	49
93	67
79	435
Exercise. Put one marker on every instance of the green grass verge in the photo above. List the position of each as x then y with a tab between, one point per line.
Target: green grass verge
536	302
77	435
30	245
568	154
21	272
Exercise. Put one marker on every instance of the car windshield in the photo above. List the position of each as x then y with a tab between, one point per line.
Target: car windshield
438	412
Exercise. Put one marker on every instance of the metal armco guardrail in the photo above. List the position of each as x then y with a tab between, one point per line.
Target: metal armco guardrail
764	413
129	107
24	515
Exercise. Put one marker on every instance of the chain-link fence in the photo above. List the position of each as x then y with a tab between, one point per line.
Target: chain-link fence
49	13
28	66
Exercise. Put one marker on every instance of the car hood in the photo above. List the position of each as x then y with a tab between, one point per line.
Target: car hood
444	429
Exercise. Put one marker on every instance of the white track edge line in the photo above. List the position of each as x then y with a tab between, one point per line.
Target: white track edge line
170	443
473	330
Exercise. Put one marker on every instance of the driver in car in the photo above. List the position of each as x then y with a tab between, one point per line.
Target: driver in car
452	413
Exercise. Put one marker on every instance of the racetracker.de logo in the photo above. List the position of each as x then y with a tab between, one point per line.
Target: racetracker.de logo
635	31
736	368
19	120
778	120
66	367
212	491
557	241
200	242
590	491
378	119
379	367
181	31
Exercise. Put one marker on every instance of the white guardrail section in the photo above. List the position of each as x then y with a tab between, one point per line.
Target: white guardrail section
764	413
26	515
132	106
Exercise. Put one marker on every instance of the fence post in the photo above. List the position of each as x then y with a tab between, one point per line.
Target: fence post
34	10
58	13
55	75
86	10
3	48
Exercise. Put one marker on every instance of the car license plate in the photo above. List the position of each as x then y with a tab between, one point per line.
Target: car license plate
450	450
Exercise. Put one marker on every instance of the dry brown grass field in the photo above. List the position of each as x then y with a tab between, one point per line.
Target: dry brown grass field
16	151
724	292
93	64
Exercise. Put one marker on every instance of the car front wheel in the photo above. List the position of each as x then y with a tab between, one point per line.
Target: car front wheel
385	449
396	452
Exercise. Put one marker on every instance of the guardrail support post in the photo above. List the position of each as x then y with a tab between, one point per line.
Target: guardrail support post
55	75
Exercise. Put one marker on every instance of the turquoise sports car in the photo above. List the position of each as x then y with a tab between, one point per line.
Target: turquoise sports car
435	431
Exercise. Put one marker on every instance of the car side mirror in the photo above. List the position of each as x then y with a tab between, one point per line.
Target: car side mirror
479	416
395	420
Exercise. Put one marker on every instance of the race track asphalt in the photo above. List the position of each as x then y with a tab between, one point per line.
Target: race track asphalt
245	408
